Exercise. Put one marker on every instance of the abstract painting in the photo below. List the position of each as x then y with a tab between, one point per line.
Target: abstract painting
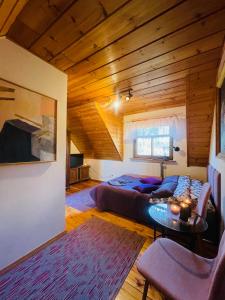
27	125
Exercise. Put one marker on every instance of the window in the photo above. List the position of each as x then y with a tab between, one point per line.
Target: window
154	142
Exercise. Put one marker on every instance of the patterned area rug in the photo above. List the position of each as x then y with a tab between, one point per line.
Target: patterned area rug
90	262
81	200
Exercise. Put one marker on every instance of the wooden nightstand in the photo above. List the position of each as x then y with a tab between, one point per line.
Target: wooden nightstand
79	174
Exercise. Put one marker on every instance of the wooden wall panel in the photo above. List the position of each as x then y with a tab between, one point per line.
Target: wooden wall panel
201	97
96	133
114	124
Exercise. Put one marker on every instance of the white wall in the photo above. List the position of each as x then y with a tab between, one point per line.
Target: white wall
32	196
73	148
106	169
219	164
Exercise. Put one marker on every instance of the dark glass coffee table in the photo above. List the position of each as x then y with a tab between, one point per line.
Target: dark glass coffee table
164	218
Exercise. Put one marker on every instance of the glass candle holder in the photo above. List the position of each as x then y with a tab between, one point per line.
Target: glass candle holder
187	201
185	212
175	209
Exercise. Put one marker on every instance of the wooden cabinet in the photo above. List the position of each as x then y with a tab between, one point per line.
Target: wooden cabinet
74	175
84	172
79	174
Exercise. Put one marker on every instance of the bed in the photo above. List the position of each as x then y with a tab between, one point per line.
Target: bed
124	200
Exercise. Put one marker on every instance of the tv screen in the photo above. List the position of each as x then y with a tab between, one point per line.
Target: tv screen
76	160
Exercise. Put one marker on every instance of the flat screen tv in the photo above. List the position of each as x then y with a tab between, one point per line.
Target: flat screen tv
76	160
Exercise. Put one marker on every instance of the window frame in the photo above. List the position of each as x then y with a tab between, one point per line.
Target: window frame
136	155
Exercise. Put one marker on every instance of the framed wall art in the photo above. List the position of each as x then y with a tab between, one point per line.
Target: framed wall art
28	123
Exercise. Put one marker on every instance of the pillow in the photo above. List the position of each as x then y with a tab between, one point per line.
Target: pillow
183	185
195	188
146	188
173	178
151	180
165	190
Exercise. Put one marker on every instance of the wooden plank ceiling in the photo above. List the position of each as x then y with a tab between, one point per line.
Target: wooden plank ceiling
110	46
8	13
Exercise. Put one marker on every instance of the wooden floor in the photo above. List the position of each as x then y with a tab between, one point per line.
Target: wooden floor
133	285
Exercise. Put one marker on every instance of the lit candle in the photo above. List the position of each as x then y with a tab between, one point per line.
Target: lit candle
185	212
187	201
175	209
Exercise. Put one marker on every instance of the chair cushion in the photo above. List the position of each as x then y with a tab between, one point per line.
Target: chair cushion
175	271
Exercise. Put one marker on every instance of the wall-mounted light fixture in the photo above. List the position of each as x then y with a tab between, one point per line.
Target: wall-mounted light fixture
162	162
176	149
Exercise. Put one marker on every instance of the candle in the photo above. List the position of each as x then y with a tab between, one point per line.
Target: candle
175	209
187	201
185	212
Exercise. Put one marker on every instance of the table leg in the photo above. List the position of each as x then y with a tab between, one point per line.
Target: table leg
194	242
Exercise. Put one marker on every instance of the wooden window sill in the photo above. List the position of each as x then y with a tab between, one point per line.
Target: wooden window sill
153	160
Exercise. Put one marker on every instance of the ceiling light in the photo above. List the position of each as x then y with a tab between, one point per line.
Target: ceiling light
116	104
127	98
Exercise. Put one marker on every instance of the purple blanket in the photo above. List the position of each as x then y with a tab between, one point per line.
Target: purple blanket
123	199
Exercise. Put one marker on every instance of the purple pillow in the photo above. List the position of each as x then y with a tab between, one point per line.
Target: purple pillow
146	188
151	180
165	190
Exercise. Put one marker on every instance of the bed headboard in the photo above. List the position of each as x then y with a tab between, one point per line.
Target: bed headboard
214	178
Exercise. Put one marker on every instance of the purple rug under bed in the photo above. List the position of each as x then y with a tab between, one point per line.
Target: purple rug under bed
81	200
90	262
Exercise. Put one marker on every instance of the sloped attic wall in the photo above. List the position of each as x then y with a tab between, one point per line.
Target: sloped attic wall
201	97
95	132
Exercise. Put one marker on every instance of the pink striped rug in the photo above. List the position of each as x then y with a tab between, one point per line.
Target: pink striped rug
90	262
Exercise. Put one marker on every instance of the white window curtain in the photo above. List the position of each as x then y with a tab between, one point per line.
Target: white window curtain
173	126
